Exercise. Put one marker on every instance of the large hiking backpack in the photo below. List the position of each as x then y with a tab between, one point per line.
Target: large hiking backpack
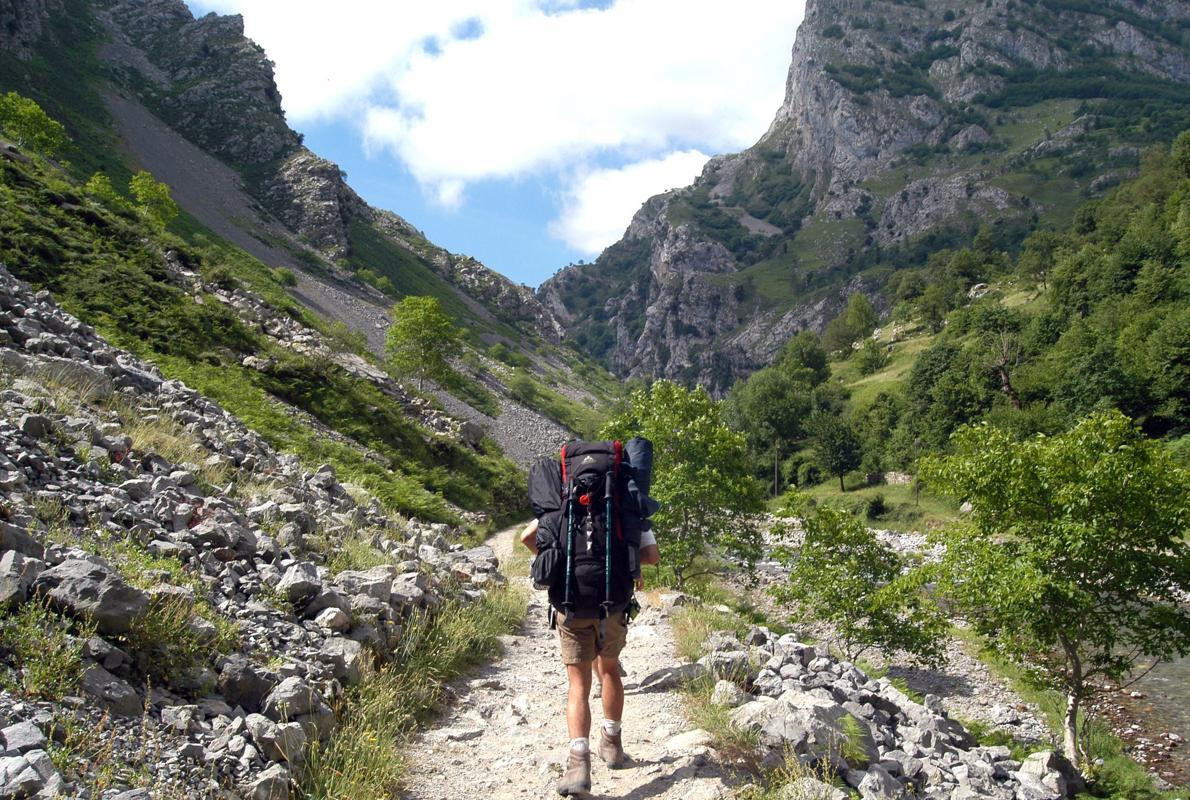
591	504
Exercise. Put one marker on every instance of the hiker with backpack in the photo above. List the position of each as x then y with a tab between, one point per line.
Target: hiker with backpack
590	537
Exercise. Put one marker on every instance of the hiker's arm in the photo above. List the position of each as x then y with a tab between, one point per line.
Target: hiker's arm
649	554
529	537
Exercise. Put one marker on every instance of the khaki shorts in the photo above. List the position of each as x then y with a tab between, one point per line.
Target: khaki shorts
578	639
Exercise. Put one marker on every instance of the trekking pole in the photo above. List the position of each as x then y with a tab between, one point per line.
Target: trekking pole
605	606
567	603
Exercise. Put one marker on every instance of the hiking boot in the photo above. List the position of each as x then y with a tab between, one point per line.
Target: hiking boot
576	780
611	749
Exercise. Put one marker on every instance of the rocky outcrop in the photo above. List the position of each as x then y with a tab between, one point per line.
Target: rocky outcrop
309	194
802	703
212	83
216	87
22	23
101	528
887	106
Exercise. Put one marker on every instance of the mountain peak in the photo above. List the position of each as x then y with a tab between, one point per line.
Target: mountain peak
903	121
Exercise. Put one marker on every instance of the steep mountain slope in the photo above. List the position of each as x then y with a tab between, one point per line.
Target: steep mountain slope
214	86
143	84
908	125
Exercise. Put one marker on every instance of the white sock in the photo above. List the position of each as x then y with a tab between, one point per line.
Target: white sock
611	727
580	745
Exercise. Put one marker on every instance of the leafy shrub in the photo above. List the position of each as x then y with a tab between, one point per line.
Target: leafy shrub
286	277
843	575
876	507
872	357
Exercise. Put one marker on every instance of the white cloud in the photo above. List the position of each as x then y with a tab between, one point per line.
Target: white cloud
540	91
600	203
462	91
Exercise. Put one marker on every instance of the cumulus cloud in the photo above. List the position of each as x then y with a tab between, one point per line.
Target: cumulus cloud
461	91
600	203
538	91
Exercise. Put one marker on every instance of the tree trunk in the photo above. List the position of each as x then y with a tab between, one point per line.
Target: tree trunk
842	488
1070	729
776	461
1074	688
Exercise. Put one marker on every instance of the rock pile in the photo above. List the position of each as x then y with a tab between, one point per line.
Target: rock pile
828	714
104	531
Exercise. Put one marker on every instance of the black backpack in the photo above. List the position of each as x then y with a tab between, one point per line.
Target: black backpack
591	504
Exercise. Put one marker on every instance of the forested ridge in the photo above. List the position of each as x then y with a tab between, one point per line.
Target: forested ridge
1090	317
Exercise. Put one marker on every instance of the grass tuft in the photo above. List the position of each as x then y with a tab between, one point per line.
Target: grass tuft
362	761
44	650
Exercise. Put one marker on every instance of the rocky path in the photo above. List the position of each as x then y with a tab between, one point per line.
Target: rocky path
504	736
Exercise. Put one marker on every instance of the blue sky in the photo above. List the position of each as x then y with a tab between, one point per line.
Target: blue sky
523	132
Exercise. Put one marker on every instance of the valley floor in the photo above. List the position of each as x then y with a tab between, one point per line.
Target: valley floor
504	737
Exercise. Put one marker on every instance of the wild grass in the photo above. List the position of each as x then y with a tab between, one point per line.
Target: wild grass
351	549
794	780
160	434
734	744
46	651
85	752
694	623
905	509
172	648
165	635
362	761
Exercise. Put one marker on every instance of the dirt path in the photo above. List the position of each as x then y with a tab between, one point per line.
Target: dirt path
504	737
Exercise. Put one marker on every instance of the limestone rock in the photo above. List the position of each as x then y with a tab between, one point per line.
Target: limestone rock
113	692
93	591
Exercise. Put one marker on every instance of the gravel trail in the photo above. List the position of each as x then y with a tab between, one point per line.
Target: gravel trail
504	737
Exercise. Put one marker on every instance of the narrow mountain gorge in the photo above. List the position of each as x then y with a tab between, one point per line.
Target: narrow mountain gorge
907	127
255	544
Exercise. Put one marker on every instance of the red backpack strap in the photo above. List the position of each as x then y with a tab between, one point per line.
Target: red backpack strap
562	458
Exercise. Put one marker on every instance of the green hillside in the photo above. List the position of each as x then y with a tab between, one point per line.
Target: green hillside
1087	317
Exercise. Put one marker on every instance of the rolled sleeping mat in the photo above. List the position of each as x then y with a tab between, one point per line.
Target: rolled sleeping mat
545	486
639	453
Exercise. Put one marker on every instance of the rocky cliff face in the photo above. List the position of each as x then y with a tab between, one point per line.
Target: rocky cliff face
22	24
901	120
209	80
216	87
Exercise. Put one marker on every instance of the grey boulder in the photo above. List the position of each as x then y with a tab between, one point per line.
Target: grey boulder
89	590
113	692
242	683
290	698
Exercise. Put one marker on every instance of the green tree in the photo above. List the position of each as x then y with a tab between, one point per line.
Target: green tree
770	408
857	321
805	359
153	200
100	187
1074	557
841	574
872	357
422	340
836	447
29	126
701	476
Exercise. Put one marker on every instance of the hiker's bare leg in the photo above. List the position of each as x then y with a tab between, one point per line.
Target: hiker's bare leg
578	711
613	687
